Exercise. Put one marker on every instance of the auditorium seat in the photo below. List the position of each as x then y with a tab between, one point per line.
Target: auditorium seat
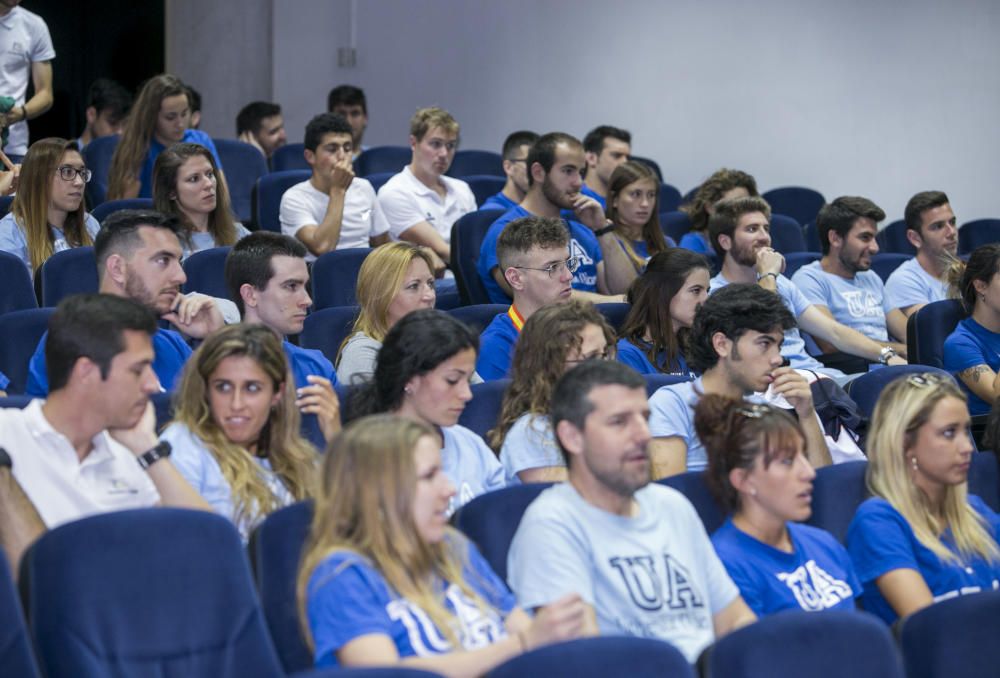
927	329
811	234
693	486
979	232
72	271
866	389
614	312
382	159
599	657
467	235
20	332
654	382
267	203
484	186
97	156
289	157
16	657
892	238
206	272
5	203
17	293
478	316
471	162
838	490
884	263
674	224
954	638
798	202
651	164
670	198
787	235
147	592
242	165
107	208
482	413
796	260
326	329
335	277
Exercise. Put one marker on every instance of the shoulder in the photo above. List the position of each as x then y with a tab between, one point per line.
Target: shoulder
499	328
196	136
814	537
10	228
876	511
301	191
164	338
91	224
673	395
397	186
459	436
360	340
307	356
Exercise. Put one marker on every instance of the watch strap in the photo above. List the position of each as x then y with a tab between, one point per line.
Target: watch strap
150	457
604	231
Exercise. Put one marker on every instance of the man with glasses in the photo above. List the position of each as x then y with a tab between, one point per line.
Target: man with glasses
536	262
555	178
515	166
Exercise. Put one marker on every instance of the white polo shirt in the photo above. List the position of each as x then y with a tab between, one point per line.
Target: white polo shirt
62	487
404	202
304	205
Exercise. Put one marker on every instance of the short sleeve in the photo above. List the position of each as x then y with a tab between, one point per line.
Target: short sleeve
792	296
399	210
670	415
812	288
12	239
962	351
295	211
529	444
41	47
879	540
358	360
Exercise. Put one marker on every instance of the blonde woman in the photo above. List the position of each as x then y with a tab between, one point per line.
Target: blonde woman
921	537
47	215
235	433
385	580
394	279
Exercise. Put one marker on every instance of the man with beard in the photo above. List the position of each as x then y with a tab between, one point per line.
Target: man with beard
555	177
842	285
735	345
516	147
932	228
739	232
91	446
635	551
138	256
605	148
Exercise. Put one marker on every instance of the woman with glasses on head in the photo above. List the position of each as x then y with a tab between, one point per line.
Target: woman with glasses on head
921	537
47	214
188	185
554	339
722	185
664	299
758	472
634	209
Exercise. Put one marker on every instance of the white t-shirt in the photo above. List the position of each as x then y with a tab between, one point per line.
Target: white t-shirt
305	205
62	487
24	39
405	202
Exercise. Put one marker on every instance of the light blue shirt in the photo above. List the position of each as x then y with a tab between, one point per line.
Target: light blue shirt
530	443
469	464
14	240
856	303
910	284
203	240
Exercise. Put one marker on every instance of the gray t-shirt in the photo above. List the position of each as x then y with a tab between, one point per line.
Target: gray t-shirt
357	360
652	575
530	443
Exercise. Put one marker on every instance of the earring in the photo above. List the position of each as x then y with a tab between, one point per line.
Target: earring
753	491
407	390
913	463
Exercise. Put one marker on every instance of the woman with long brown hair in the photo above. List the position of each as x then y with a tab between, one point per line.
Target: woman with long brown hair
634	210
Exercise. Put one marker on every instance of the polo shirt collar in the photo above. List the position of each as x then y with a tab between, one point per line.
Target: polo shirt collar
42	429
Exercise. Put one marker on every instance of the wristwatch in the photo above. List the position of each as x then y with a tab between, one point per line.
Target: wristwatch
885	354
761	276
150	457
5	460
604	231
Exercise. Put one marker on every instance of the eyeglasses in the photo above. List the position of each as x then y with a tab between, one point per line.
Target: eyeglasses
925	379
571	265
604	354
69	173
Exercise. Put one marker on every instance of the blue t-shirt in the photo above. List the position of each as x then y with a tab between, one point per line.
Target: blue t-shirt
499	201
969	345
347	597
635	357
817	575
306	361
793	347
4	381
881	540
910	284
856	303
496	348
582	244
170	352
696	242
191	136
588	191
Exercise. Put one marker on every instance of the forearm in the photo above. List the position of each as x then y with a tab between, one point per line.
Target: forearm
618	269
816	449
38	104
597	298
328	232
173	489
20	524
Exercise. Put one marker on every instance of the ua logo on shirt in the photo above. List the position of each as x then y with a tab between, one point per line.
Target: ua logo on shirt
648	591
861	304
814	588
577	250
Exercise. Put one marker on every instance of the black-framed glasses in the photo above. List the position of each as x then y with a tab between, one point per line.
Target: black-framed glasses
604	354
68	173
571	265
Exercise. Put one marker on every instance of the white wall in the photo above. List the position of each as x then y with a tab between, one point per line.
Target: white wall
881	98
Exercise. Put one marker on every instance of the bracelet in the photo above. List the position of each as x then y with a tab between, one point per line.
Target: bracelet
24	114
764	275
604	231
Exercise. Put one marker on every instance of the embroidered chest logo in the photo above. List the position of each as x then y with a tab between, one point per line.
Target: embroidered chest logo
814	588
652	590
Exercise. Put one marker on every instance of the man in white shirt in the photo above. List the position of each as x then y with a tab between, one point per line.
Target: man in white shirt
26	49
332	209
420	204
91	446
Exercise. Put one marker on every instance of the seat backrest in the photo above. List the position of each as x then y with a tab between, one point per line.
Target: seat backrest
20	332
984	478
382	159
270	188
242	164
791	643
892	238
378	179
478	316
955	638
798	202
167	593
651	164
884	263
16	656
109	207
97	155
670	198
927	329
866	389
655	382
811	234
796	260
979	232
614	312
72	271
275	550
289	157
326	329
490	521
467	235
599	657
483	411
838	490
335	277
674	224
484	185
469	162
18	292
206	272
787	235
693	486
5	203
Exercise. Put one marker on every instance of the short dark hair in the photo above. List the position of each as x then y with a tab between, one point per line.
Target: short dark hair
920	203
91	326
515	140
727	214
249	262
348	95
544	150
983	264
734	310
323	124
839	216
119	233
107	95
251	116
594	141
520	235
571	396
